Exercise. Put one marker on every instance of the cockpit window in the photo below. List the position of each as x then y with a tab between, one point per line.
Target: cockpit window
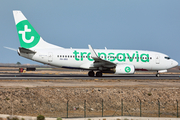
167	58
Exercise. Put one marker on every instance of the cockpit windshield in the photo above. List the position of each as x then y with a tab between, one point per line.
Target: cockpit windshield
167	58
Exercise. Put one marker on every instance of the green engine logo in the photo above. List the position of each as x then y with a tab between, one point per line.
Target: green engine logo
127	69
28	36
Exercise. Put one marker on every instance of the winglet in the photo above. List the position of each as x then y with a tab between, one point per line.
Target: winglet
93	53
98	59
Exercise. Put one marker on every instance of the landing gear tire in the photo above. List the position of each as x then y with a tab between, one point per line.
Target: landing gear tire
91	73
98	74
157	75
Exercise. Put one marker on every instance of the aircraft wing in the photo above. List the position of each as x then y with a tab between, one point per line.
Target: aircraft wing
98	62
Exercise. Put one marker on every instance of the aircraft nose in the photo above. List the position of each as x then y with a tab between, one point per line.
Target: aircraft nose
174	63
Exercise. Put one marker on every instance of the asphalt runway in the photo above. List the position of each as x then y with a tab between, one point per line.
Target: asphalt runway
28	76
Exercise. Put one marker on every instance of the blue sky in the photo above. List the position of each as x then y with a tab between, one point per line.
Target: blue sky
116	24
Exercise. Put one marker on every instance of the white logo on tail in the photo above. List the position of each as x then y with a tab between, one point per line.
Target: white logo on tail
24	34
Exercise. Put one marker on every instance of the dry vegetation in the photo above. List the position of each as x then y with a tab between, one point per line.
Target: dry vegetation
52	101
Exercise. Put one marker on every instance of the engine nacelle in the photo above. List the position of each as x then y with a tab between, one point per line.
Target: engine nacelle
124	69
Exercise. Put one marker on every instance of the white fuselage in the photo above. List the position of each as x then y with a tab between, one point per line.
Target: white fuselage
81	58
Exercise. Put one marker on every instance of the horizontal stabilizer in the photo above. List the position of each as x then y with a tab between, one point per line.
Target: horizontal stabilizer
24	50
10	48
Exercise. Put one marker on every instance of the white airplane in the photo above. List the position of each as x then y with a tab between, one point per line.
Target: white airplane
101	60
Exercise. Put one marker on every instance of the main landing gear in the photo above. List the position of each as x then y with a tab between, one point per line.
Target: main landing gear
98	74
91	73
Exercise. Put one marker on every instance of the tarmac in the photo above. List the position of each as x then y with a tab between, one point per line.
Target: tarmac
31	76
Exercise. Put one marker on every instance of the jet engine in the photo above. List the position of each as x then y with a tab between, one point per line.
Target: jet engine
124	69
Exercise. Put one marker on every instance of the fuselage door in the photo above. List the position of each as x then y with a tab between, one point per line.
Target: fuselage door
50	57
157	59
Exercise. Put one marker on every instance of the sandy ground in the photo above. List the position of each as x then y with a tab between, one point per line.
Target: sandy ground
90	83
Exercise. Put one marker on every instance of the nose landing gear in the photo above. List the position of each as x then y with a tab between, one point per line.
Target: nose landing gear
157	74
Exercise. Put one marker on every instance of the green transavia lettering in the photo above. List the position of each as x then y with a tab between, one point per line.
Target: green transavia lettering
121	57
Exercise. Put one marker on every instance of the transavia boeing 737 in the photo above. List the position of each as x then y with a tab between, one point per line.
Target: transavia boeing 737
100	60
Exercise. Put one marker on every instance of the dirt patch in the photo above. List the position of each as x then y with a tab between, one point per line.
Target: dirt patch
53	101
